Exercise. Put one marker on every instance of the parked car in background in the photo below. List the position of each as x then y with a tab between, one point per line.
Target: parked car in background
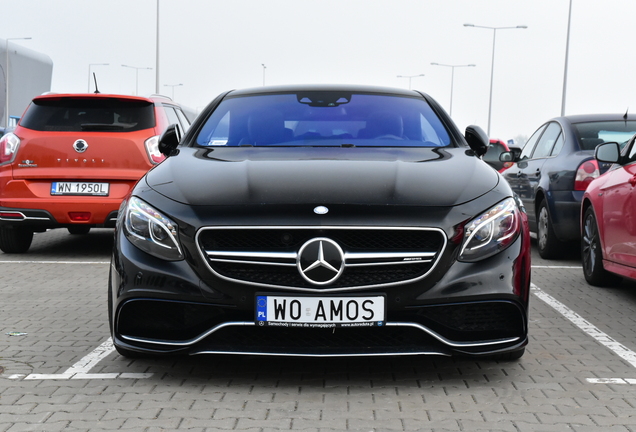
492	156
72	158
321	221
554	169
608	218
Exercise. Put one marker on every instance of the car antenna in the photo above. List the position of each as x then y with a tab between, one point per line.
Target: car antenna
95	78
625	115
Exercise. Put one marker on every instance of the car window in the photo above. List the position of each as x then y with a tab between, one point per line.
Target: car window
531	143
547	141
173	118
558	145
591	134
185	123
73	114
317	118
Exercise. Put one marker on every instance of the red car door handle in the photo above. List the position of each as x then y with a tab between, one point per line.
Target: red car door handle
632	181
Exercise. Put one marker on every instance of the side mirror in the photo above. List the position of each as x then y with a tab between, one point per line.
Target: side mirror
513	155
169	140
477	140
608	152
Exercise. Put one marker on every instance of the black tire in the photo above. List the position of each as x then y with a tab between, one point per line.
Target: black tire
592	254
79	230
548	244
15	239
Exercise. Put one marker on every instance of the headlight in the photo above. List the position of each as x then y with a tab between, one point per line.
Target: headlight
151	231
491	232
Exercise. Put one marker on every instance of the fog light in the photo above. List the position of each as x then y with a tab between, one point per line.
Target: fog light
80	216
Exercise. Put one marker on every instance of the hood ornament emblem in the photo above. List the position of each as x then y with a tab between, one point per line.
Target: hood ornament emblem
80	146
320	261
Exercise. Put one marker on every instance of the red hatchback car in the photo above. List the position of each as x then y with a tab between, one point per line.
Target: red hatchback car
608	218
73	158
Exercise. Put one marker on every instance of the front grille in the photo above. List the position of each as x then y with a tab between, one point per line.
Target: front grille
372	257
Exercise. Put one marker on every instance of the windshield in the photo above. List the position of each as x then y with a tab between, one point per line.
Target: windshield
321	118
69	114
592	134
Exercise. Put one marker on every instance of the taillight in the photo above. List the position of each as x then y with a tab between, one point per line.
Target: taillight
152	147
585	173
8	148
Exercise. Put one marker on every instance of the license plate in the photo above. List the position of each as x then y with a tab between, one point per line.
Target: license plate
79	188
316	312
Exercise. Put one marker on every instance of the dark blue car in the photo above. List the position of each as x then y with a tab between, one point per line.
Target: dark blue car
555	167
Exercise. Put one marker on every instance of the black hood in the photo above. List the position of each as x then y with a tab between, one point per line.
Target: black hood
313	175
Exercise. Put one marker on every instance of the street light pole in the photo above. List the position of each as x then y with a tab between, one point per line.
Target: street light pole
410	77
89	73
264	67
6	81
157	54
173	86
137	76
452	79
565	70
492	66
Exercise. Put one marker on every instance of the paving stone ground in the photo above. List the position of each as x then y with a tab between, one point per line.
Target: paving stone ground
62	309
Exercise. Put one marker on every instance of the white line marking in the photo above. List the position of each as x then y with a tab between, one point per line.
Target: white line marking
80	369
611	380
576	319
55	262
556	267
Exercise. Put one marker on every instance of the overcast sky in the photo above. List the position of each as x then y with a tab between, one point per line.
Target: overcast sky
211	46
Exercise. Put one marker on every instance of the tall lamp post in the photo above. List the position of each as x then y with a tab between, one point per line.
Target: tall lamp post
89	74
492	66
565	69
173	86
410	77
6	81
264	67
137	76
452	79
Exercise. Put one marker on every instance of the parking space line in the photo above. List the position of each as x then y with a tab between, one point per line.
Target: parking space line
55	262
593	331
80	370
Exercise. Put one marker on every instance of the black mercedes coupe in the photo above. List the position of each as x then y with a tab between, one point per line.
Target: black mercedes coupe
321	221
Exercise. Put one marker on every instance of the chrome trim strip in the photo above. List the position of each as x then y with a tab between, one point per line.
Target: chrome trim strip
309	227
430	332
23	217
388	255
271	263
191	341
272	255
324	355
449	342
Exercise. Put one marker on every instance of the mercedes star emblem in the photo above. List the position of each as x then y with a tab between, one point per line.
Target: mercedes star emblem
320	261
80	146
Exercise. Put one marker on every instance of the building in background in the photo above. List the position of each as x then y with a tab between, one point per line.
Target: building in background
30	74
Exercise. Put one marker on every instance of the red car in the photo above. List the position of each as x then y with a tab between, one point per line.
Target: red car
73	157
608	218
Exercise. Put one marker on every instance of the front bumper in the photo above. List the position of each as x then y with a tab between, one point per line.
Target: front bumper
177	307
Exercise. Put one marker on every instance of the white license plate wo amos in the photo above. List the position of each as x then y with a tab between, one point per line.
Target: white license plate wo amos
307	311
79	188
